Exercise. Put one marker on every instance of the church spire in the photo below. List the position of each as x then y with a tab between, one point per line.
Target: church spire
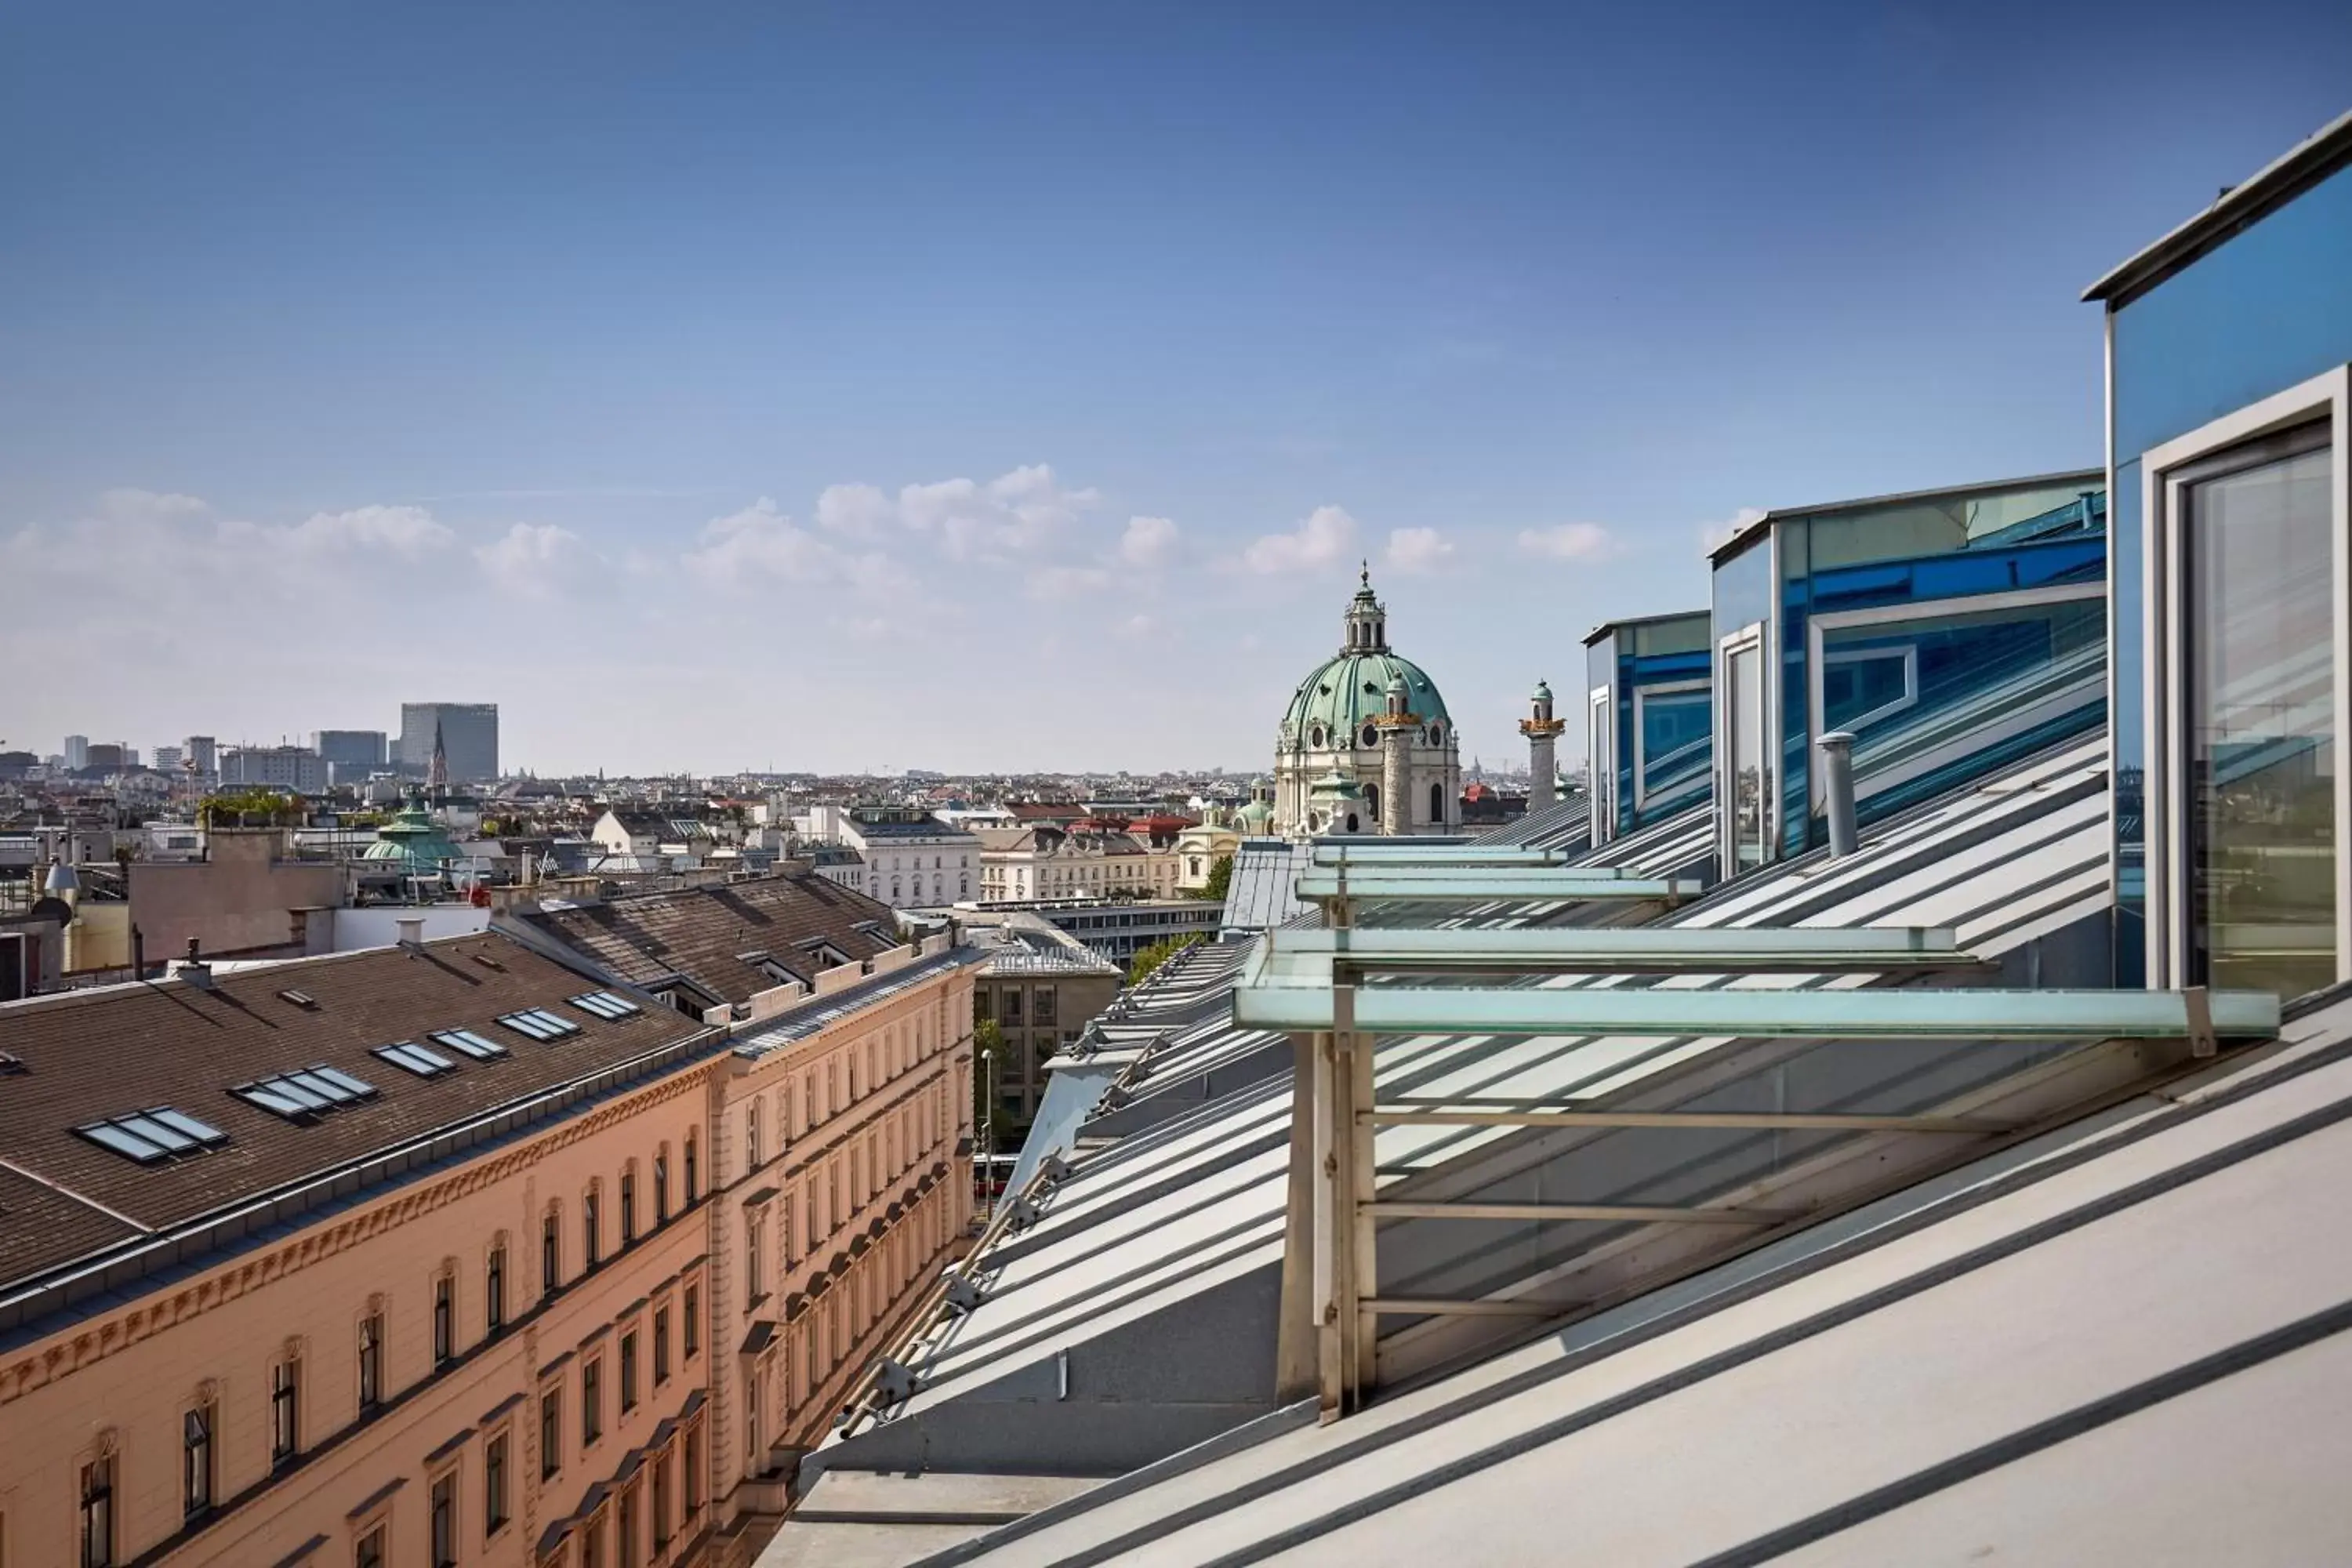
436	775
1368	618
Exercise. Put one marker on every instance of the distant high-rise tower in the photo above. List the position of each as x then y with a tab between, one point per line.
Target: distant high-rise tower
76	751
469	732
203	752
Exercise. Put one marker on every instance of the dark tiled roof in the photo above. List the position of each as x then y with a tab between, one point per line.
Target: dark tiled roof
703	933
125	1048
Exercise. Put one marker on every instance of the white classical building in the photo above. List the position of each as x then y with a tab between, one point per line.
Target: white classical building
1332	771
912	858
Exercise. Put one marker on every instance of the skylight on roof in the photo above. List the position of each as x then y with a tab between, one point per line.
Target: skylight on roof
12	1065
302	1095
606	1005
153	1135
539	1023
468	1042
408	1054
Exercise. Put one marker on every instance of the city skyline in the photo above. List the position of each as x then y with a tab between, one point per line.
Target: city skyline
719	408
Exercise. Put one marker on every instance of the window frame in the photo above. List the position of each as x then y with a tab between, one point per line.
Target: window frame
1601	763
1754	637
285	1411
1819	655
199	1458
2165	476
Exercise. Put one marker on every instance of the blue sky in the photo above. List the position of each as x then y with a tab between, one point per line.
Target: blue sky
982	387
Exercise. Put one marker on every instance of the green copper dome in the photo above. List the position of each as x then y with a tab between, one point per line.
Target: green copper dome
412	842
1349	689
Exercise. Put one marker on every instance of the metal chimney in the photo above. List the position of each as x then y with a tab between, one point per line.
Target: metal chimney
1837	790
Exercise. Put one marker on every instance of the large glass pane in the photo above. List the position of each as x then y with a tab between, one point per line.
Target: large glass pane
1670	727
2261	726
1743	682
1600	767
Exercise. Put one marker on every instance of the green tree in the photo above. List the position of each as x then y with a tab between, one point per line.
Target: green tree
1221	879
1148	959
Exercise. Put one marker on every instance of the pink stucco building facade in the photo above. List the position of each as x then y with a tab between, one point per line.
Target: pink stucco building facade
576	1295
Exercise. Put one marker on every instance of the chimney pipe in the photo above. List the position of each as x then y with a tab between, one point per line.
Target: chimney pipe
412	930
1837	790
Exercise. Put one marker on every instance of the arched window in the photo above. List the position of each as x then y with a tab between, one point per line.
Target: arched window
1437	804
1351	822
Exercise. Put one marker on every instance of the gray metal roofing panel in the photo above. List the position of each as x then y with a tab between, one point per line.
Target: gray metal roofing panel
1071	1090
1873	1391
1169	1212
1262	892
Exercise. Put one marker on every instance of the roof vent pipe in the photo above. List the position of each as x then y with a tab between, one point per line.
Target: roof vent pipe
1837	790
412	930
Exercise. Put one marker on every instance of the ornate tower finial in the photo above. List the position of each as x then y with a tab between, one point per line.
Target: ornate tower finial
1364	571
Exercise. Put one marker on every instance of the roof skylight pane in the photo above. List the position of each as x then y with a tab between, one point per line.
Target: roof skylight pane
470	1043
168	1139
268	1098
107	1136
360	1088
604	1004
319	1083
154	1134
416	1058
555	1021
180	1121
300	1093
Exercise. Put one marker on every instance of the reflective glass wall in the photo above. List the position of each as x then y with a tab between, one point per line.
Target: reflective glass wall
2266	308
1950	631
1650	734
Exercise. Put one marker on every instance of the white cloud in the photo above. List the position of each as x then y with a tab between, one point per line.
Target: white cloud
1321	538
1417	550
405	530
1568	542
1054	583
1012	514
1138	626
1712	534
759	546
1148	542
536	559
861	511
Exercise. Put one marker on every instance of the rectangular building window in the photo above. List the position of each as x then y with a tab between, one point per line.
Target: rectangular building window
661	1346
2260	787
628	1372
591	1232
693	1177
691	1464
752	1134
660	1493
551	1433
494	1291
752	1290
625	1527
371	1362
442	1521
285	1411
494	1484
592	1400
445	1320
551	1254
98	1514
196	1460
661	1187
691	1321
628	1207
369	1553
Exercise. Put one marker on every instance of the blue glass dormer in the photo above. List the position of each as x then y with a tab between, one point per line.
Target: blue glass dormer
1950	631
1649	730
